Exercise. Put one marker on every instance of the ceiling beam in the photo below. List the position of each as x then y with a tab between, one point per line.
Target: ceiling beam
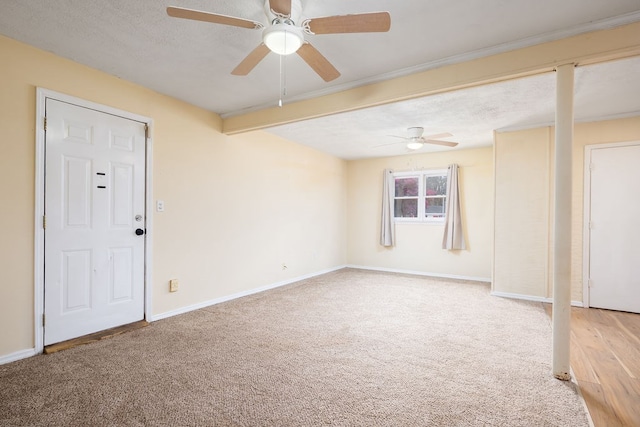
583	49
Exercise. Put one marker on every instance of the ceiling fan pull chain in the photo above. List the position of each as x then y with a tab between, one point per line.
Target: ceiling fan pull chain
280	94
283	78
284	75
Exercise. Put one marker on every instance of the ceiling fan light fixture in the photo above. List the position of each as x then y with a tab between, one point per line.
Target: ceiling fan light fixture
415	145
283	39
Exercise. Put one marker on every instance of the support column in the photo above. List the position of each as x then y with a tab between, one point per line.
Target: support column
562	222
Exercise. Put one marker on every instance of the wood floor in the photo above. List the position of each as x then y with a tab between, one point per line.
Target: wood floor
605	358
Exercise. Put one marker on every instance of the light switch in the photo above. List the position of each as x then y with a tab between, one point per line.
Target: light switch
160	205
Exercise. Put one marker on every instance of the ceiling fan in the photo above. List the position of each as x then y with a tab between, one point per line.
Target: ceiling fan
285	33
416	141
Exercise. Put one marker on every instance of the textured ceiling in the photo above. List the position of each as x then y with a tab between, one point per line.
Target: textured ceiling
605	90
192	61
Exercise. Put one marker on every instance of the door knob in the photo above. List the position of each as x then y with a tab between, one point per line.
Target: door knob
139	231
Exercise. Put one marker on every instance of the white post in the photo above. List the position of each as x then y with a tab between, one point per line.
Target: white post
562	223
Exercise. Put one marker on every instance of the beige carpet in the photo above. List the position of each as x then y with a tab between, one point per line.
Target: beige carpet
350	348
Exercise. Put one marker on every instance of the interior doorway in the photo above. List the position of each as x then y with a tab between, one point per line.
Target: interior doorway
612	226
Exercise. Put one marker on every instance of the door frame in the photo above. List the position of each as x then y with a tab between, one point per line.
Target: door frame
586	219
41	96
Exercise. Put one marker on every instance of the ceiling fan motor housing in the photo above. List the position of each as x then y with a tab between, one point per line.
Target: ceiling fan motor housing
415	132
296	11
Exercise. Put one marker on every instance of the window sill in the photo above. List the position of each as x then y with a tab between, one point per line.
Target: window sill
419	222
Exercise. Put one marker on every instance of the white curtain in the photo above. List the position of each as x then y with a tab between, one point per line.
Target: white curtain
453	235
387	228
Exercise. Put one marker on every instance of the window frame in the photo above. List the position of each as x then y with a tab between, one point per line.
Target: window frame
422	175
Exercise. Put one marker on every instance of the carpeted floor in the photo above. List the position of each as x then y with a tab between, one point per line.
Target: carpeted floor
350	348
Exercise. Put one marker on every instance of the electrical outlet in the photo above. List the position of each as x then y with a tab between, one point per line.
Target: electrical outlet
173	285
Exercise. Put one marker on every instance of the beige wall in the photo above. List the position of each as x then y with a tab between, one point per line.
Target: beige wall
524	162
419	246
236	208
521	212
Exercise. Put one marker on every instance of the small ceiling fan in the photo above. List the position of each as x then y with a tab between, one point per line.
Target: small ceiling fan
285	33
416	141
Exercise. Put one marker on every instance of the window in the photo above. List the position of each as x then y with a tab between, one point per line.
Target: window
420	196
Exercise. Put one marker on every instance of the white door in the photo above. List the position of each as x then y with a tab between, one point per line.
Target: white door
94	206
614	246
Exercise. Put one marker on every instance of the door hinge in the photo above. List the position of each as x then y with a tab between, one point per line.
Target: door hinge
44	222
592	167
590	283
43	319
590	225
45	124
146	131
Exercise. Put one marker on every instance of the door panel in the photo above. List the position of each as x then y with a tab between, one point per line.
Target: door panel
94	191
614	267
76	280
121	277
121	196
77	192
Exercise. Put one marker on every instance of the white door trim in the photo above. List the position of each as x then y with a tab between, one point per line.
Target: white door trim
586	219
41	96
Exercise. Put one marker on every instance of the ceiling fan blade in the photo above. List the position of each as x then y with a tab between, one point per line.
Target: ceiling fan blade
251	60
387	144
445	143
281	7
374	22
197	15
319	63
438	136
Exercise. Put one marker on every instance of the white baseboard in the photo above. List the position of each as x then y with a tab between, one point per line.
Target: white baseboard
423	273
22	354
531	298
215	301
